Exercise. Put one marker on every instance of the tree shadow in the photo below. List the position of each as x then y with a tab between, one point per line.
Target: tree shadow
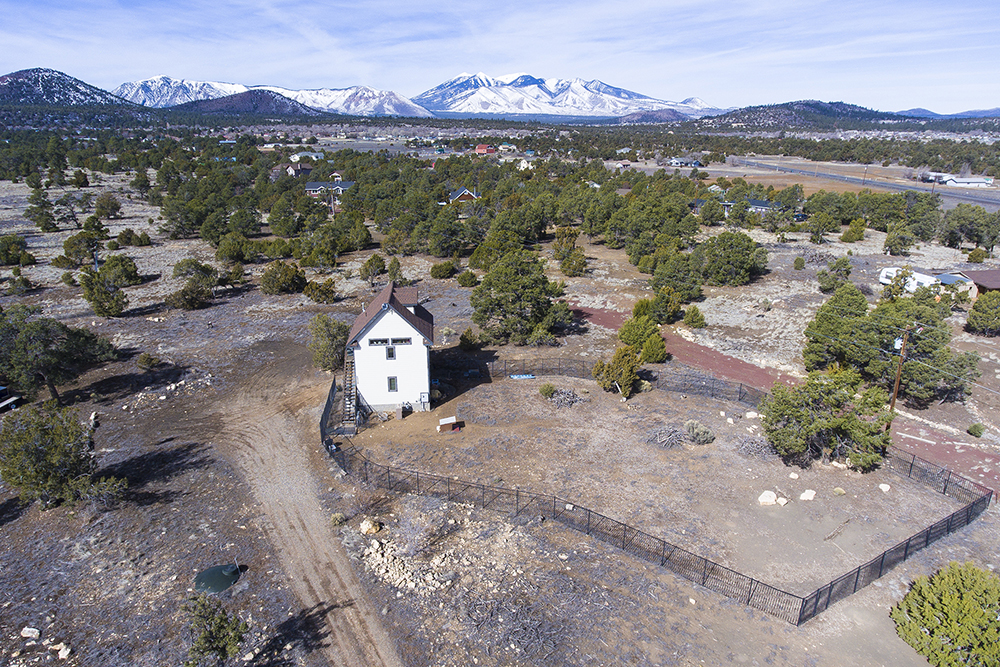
156	467
306	630
118	387
145	311
11	510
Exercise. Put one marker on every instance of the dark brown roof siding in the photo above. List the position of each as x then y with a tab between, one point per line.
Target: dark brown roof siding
421	320
989	278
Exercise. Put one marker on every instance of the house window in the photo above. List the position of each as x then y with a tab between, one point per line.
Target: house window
390	353
401	341
378	341
392	384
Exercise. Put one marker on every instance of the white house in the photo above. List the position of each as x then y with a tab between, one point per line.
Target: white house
388	352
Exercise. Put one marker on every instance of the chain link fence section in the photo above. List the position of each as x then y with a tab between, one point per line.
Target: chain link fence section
787	606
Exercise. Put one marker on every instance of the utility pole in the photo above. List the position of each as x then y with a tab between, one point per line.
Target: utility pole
899	370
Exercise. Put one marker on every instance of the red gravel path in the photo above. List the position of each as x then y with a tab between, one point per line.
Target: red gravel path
956	453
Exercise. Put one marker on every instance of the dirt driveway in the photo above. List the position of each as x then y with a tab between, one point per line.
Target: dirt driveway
270	425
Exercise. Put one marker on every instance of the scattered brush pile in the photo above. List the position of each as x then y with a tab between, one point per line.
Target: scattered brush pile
667	437
755	447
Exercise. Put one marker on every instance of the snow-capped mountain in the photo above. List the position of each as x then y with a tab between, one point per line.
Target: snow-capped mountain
354	101
517	94
49	87
163	91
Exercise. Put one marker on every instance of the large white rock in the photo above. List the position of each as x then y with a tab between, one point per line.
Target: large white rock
369	527
768	498
884	487
30	633
808	494
751	415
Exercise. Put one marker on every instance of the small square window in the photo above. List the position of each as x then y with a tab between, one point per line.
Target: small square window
390	353
392	385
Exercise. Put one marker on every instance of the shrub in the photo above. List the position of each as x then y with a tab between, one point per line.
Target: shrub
635	331
693	318
147	362
950	618
443	270
64	262
978	255
654	350
855	232
575	264
195	294
26	259
113	245
976	430
984	316
216	634
698	432
547	390
642	308
283	278
620	373
374	267
329	338
468	279
468	341
324	292
11	248
68	279
46	454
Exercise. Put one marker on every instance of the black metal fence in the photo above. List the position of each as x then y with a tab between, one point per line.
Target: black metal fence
790	607
670	377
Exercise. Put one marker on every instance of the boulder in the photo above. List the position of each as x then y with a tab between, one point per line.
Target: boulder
793	475
369	527
782	501
30	633
884	488
767	498
839	492
808	494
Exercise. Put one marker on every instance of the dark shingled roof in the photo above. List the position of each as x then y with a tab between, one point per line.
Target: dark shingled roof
989	278
397	298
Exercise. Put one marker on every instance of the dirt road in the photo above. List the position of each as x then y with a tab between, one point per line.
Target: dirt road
270	431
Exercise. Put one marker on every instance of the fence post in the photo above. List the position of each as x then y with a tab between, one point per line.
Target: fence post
388	478
517	502
857	578
663	552
416	476
912	461
948	479
588	522
448	487
881	563
704	571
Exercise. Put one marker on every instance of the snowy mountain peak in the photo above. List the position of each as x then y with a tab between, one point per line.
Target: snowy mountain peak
48	86
164	91
524	94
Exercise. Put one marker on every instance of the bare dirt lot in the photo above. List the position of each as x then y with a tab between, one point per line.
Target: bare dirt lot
221	448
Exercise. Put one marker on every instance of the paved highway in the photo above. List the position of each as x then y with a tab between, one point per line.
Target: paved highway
990	200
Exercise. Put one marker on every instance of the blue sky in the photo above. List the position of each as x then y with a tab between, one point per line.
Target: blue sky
884	54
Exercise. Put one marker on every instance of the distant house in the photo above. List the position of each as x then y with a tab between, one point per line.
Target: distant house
507	148
387	358
319	188
917	280
985	280
462	194
485	149
297	170
279	170
315	157
758	206
955	181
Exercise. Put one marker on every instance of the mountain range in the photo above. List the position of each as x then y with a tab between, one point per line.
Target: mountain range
515	96
467	95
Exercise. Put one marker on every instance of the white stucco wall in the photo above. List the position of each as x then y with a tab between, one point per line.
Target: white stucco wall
410	367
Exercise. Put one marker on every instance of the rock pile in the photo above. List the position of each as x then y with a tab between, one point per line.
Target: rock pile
566	398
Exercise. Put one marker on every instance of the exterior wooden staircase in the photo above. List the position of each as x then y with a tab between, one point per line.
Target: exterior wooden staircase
348	424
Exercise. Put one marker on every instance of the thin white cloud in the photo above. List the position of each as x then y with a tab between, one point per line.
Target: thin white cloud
729	53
